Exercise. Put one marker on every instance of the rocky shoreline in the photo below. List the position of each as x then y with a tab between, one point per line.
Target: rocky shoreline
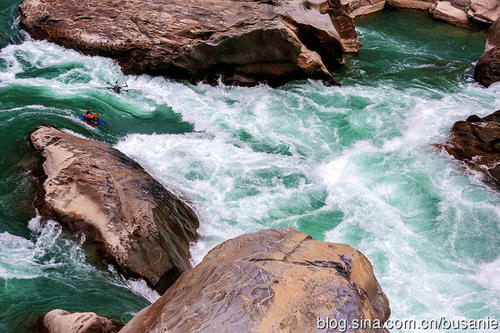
273	280
237	42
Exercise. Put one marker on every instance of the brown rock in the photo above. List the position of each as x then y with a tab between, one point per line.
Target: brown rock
271	281
131	219
344	24
487	69
60	321
476	142
244	42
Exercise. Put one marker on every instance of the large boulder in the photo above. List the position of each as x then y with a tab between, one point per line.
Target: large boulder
487	69
132	220
450	12
60	321
243	42
476	142
271	281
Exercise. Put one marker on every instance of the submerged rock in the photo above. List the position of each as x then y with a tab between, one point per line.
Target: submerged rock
271	281
60	321
243	42
477	143
487	69
130	218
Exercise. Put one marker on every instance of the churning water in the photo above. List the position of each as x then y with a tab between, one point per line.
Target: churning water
352	164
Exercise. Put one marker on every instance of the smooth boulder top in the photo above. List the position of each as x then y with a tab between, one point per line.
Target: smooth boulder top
132	220
242	42
271	281
476	142
487	69
60	321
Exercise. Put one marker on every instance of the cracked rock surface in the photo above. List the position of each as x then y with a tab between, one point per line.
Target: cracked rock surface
270	281
242	42
131	219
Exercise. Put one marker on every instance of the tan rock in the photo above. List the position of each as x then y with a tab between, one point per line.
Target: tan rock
60	321
244	42
271	281
130	218
364	7
445	11
484	11
411	4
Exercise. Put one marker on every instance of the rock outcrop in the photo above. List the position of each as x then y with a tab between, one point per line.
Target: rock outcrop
472	14
364	7
132	220
242	42
487	69
60	321
451	13
271	281
476	142
411	4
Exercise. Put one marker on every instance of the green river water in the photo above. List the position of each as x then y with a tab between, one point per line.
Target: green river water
351	164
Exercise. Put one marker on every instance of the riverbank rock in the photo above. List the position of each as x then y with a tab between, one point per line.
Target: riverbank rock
451	12
476	142
411	4
471	14
487	69
132	220
271	281
60	321
364	7
241	42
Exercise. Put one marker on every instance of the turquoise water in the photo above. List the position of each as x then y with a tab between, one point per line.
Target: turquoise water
352	164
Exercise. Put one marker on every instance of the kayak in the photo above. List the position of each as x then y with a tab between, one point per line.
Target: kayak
94	122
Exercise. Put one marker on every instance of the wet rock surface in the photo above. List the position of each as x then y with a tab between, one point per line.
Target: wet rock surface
271	281
487	69
241	42
476	142
131	219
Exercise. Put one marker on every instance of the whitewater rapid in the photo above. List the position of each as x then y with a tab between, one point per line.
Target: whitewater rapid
353	164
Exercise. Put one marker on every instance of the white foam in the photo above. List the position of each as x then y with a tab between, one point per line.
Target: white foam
489	275
140	287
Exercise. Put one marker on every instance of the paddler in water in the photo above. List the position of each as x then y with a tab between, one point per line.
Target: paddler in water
91	117
116	88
